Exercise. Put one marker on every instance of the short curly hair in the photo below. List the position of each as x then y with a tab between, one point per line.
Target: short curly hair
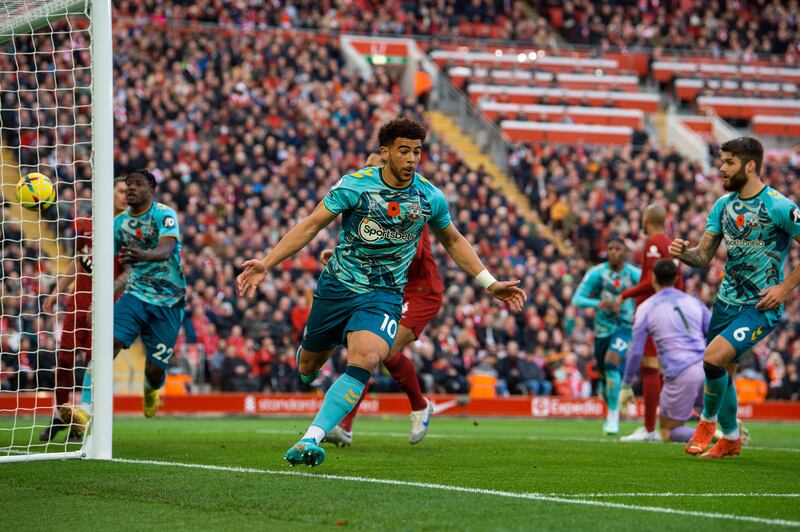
401	128
145	173
746	149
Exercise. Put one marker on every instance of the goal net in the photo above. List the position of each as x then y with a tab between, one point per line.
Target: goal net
55	255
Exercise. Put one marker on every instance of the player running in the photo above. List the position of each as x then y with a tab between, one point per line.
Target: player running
422	300
677	323
655	248
147	237
76	331
758	224
600	289
359	295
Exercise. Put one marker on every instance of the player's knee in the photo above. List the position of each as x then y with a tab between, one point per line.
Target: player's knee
713	371
367	359
611	363
155	375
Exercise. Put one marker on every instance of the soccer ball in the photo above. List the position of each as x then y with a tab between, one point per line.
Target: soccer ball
36	192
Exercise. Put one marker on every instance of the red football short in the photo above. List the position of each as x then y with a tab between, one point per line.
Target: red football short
77	333
650	348
419	309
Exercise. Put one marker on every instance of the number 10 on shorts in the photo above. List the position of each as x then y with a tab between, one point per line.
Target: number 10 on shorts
389	325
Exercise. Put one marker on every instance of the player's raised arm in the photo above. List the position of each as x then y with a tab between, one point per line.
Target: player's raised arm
699	256
465	257
296	239
584	295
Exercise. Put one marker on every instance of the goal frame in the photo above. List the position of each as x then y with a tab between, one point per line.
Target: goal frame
98	444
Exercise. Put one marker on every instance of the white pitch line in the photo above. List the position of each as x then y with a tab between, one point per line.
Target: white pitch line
670	494
478	491
503	436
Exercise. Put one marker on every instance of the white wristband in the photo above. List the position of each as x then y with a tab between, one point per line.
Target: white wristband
485	279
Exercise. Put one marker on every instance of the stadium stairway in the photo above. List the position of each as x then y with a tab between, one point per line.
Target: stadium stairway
449	132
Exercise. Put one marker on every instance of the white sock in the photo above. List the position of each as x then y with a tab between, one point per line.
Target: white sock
315	432
733	436
712	419
612	416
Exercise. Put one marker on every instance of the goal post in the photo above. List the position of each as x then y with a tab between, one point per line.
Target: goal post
56	119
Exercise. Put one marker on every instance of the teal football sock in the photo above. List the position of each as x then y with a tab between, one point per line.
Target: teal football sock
729	409
340	399
86	391
715	388
613	385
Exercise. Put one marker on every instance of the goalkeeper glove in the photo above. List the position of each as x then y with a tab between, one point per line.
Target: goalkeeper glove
625	396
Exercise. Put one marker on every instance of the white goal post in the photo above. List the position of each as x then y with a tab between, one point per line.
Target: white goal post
55	119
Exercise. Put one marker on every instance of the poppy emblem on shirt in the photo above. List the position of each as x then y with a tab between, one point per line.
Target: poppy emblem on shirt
139	233
740	220
617	283
393	208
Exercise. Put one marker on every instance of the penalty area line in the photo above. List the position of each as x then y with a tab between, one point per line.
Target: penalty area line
462	489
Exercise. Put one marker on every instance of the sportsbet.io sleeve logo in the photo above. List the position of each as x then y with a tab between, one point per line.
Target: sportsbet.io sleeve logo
796	215
169	222
372	231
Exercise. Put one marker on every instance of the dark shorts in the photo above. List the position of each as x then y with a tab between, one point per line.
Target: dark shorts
618	343
742	326
419	309
337	310
158	325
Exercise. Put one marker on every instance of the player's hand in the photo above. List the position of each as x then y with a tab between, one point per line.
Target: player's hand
772	297
678	247
131	255
254	272
50	303
508	292
625	397
608	304
325	256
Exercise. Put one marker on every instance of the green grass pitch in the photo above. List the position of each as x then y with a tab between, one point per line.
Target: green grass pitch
469	474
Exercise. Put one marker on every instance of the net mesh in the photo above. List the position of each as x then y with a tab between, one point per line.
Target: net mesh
45	275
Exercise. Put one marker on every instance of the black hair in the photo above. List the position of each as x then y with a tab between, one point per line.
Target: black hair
746	149
615	237
401	128
144	172
666	272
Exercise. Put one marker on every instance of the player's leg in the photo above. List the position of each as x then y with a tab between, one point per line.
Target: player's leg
651	385
158	336
402	369
600	349
612	367
64	377
370	331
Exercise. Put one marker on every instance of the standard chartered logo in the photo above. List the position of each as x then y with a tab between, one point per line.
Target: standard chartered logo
370	231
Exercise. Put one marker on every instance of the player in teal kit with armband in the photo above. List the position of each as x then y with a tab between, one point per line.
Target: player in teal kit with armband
758	224
359	294
600	289
147	237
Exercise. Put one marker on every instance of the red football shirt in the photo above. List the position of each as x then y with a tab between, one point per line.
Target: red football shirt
655	249
423	272
81	299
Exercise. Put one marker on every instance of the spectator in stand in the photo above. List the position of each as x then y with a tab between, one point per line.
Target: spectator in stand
531	369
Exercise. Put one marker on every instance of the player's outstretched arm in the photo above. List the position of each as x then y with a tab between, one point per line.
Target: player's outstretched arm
465	257
296	239
699	256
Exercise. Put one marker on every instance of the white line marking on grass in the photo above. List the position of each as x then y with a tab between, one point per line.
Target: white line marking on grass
503	436
478	491
670	494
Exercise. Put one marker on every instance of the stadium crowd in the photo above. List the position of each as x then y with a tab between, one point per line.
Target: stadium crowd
246	135
737	29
